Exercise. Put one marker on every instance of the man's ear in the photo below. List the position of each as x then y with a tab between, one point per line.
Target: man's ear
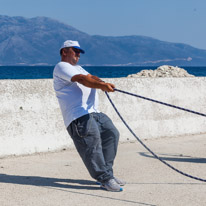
65	51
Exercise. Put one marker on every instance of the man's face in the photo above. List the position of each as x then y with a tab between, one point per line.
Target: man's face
71	55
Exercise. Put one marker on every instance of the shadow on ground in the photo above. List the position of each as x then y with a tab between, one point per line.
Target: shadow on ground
62	185
175	157
47	181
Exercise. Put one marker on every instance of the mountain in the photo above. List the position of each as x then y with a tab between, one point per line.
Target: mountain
32	41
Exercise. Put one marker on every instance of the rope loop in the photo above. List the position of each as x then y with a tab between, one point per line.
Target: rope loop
138	139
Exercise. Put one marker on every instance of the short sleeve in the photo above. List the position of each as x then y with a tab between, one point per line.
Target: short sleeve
65	71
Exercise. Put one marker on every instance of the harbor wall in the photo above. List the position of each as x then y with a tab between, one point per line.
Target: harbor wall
31	120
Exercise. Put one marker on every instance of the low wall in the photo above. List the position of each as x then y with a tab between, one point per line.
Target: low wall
31	120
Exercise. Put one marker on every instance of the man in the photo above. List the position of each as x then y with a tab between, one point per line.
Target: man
93	133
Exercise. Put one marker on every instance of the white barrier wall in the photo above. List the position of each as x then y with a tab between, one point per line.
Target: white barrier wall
31	120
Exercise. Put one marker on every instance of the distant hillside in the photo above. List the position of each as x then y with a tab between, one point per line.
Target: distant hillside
37	40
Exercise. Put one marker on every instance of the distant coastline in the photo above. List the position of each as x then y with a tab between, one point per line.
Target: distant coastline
133	50
97	65
46	72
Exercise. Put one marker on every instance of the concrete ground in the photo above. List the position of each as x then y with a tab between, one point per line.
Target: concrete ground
60	178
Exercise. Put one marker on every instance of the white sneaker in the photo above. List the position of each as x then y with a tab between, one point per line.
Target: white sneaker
120	182
111	185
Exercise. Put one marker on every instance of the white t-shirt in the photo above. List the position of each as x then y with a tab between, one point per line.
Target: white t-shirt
75	99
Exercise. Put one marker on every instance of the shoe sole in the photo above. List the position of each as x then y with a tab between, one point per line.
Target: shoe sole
104	188
99	183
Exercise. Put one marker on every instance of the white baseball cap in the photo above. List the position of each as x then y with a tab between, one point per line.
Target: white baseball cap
70	43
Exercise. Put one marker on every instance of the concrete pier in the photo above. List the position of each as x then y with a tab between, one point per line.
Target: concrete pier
31	120
61	179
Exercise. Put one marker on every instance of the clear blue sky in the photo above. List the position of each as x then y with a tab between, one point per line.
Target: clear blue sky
182	21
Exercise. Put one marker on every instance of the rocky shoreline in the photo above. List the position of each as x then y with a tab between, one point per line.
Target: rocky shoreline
163	71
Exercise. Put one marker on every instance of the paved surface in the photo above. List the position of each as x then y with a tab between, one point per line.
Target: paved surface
60	179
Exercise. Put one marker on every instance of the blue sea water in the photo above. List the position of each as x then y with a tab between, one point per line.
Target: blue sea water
45	72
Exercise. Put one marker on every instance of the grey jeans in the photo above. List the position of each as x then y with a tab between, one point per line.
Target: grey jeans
96	140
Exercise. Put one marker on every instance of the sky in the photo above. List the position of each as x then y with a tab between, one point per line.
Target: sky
180	21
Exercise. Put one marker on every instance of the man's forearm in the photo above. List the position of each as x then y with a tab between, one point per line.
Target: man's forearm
93	82
95	77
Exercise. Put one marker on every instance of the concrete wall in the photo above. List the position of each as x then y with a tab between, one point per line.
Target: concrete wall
31	120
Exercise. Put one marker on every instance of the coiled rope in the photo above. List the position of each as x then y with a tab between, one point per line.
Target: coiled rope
157	157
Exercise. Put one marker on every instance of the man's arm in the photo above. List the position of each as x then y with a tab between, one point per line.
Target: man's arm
93	82
95	77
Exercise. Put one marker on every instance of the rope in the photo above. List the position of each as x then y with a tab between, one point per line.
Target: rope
163	103
157	157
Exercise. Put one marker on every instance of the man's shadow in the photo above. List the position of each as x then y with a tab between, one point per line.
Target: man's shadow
62	184
49	182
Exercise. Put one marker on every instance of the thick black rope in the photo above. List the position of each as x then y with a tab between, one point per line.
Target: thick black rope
170	166
169	105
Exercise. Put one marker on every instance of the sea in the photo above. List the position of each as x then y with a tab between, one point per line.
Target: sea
46	72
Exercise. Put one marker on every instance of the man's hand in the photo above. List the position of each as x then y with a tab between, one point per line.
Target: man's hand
108	87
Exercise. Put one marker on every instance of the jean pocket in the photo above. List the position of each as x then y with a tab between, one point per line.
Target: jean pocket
83	125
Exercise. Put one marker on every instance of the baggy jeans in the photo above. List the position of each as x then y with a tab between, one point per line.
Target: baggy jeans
96	140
